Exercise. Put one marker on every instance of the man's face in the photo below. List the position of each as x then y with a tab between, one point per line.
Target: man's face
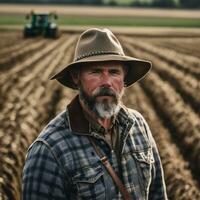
101	86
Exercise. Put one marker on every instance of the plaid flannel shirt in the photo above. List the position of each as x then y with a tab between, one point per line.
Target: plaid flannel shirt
61	164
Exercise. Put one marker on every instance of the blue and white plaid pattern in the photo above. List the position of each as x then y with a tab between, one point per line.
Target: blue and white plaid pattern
62	164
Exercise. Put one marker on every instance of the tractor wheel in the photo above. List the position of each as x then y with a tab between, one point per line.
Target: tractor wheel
52	33
27	32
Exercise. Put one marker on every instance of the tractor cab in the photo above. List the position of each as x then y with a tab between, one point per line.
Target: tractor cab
41	24
40	20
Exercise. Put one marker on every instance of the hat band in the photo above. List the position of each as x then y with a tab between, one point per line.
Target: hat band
95	53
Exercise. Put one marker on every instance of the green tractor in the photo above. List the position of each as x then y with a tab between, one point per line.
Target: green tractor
41	24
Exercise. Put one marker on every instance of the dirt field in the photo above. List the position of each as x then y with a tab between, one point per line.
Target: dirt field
168	97
99	11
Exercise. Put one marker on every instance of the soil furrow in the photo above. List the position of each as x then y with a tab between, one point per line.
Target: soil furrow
8	61
28	63
27	118
15	47
183	123
184	83
183	62
184	46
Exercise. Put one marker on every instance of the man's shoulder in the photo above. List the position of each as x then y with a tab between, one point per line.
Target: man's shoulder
57	124
140	126
137	118
56	129
133	113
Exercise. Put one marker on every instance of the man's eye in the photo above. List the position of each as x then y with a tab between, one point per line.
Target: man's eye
95	71
115	71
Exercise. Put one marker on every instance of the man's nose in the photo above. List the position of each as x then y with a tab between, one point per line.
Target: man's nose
106	80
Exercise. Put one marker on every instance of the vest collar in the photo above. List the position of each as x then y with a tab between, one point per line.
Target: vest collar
77	120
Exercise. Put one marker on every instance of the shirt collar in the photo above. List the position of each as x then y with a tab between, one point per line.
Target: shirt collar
95	126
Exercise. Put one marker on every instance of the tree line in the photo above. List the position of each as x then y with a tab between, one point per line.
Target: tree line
135	3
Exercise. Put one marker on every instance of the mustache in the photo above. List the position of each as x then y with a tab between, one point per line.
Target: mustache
104	91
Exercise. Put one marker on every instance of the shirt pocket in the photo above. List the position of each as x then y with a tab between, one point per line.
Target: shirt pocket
89	183
144	161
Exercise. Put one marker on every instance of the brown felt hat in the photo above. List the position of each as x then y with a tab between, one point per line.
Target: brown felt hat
96	45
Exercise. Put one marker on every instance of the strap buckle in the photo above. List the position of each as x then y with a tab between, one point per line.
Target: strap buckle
104	159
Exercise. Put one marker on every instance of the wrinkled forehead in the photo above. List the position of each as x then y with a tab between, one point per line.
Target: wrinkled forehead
106	64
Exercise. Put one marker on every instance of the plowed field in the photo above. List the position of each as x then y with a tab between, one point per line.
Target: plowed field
168	97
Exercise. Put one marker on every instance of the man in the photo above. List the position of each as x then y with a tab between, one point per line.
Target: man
97	148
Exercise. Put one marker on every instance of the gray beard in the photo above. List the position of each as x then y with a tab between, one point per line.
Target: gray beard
104	109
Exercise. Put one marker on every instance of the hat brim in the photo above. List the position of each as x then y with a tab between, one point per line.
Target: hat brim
137	68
